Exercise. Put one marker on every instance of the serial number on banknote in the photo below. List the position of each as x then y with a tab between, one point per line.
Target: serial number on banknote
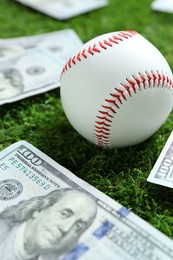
26	171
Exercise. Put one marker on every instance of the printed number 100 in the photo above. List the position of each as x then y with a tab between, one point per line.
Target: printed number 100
30	156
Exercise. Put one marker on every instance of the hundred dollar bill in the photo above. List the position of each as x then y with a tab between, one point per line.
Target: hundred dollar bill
64	9
162	172
62	44
28	73
48	213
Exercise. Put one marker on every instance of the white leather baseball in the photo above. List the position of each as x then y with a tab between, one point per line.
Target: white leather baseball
117	90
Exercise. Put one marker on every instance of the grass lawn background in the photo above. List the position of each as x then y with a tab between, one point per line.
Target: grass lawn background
40	120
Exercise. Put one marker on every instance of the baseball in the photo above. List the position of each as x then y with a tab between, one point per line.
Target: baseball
117	90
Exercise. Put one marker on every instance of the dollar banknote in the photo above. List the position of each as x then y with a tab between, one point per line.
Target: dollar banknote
64	9
162	6
162	172
26	74
46	212
32	65
62	44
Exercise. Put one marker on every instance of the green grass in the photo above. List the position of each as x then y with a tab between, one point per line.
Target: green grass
40	120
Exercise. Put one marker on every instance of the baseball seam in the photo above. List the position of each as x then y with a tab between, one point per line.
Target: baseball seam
97	48
133	86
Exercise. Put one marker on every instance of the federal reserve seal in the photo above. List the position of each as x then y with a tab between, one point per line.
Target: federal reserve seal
10	189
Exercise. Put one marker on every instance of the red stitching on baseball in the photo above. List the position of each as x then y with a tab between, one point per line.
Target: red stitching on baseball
136	83
108	43
73	60
133	85
102	45
113	40
77	57
84	54
96	48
